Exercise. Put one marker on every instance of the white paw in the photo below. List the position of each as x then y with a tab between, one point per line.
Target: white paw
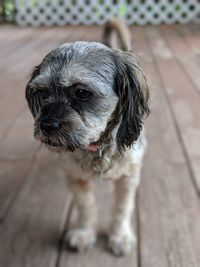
121	243
81	239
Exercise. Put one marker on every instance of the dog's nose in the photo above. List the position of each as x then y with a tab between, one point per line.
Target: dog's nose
48	127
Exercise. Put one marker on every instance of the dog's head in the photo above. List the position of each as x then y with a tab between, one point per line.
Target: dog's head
83	93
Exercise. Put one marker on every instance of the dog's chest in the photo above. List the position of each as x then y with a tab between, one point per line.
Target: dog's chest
79	166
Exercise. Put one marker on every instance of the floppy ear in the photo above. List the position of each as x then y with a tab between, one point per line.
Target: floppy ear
32	101
133	93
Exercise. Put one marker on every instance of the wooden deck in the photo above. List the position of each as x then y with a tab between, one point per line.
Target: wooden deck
34	202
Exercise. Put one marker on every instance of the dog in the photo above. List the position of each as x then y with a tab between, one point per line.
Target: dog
89	101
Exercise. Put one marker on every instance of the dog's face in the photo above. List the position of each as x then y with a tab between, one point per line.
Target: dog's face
81	92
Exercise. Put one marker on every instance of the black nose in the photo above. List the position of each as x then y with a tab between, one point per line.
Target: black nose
48	127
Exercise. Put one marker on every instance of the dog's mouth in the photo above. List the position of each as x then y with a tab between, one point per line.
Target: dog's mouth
93	147
67	145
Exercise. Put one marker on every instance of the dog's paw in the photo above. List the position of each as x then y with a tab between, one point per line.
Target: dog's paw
81	240
121	244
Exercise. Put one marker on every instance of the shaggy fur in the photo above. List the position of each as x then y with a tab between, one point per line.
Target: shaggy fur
88	101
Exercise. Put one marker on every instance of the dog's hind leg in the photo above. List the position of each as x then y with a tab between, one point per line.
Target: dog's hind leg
84	235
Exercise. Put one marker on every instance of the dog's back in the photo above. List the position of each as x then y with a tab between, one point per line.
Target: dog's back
116	35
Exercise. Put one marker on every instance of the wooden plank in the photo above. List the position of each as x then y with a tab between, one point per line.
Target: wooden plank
17	151
19	144
9	31
14	40
11	177
168	205
191	35
30	236
104	192
185	102
187	56
9	112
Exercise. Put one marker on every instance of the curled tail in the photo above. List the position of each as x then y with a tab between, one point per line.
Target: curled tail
116	35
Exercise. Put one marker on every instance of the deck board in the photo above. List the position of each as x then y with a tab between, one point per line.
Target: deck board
31	234
186	50
34	200
184	100
165	217
10	184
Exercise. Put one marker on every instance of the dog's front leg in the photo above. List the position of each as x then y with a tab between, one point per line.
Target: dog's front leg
122	238
84	235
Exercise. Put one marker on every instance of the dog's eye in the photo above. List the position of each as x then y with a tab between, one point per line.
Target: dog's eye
42	94
82	94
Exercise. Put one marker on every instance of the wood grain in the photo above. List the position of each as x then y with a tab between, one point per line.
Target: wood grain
184	99
11	177
168	204
31	234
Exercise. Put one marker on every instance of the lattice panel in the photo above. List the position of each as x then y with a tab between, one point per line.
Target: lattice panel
57	12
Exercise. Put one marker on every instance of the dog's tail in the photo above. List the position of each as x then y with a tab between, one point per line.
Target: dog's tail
116	35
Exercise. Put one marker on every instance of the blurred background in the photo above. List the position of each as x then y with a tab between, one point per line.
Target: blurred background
34	202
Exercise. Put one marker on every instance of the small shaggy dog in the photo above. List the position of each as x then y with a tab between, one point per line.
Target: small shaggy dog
89	101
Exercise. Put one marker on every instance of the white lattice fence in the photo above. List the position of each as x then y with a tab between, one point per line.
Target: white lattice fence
57	12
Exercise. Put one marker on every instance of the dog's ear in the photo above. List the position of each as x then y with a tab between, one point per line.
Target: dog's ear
133	93
32	101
